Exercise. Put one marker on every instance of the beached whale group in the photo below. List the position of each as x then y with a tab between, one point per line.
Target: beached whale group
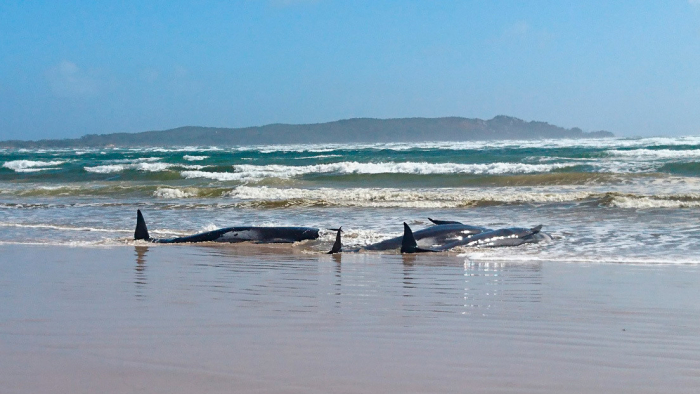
442	236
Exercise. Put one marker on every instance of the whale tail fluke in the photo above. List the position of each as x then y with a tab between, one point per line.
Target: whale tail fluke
408	243
338	245
141	231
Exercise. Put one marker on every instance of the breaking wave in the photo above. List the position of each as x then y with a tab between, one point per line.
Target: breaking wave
62	228
194	158
32	165
140	166
248	172
651	202
656	154
647	196
381	197
168	192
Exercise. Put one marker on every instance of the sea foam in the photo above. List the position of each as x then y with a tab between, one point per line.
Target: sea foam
391	197
651	154
194	158
650	202
167	192
32	165
139	166
248	172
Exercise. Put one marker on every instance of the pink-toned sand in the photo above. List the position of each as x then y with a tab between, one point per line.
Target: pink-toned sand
248	319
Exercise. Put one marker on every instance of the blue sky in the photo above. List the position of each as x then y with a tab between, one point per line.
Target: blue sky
71	68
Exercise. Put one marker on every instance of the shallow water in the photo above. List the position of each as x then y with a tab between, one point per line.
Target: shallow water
617	200
192	319
609	306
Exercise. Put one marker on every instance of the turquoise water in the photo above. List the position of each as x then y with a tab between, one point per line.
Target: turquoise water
633	200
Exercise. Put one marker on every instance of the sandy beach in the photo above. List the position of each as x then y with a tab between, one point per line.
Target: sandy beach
175	176
256	319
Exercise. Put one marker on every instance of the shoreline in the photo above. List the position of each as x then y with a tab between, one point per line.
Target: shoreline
317	249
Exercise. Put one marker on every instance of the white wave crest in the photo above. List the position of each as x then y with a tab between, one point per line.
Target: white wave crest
106	169
248	172
31	165
167	192
217	176
62	228
142	166
650	154
601	143
316	157
133	161
194	158
177	149
645	202
415	198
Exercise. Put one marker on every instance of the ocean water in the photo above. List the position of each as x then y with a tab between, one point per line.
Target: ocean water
615	200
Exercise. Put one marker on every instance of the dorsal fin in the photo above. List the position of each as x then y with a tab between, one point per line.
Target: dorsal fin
141	231
408	243
338	245
536	229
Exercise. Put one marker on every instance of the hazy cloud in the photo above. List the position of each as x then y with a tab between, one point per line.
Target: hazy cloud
67	80
518	30
522	33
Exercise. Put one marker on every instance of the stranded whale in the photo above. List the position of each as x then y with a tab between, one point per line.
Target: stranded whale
513	236
233	234
434	235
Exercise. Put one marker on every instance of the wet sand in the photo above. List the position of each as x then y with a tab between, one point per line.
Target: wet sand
248	319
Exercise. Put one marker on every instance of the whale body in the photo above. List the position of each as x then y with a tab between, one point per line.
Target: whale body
513	236
232	234
430	236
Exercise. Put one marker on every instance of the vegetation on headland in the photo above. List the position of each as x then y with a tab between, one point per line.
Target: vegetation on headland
359	130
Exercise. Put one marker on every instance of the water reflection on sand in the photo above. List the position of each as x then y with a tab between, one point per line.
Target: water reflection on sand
488	283
140	276
250	318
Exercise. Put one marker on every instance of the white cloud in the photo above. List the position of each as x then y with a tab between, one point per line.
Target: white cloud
68	80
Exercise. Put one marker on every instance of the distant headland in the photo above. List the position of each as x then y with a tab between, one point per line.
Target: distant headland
358	130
